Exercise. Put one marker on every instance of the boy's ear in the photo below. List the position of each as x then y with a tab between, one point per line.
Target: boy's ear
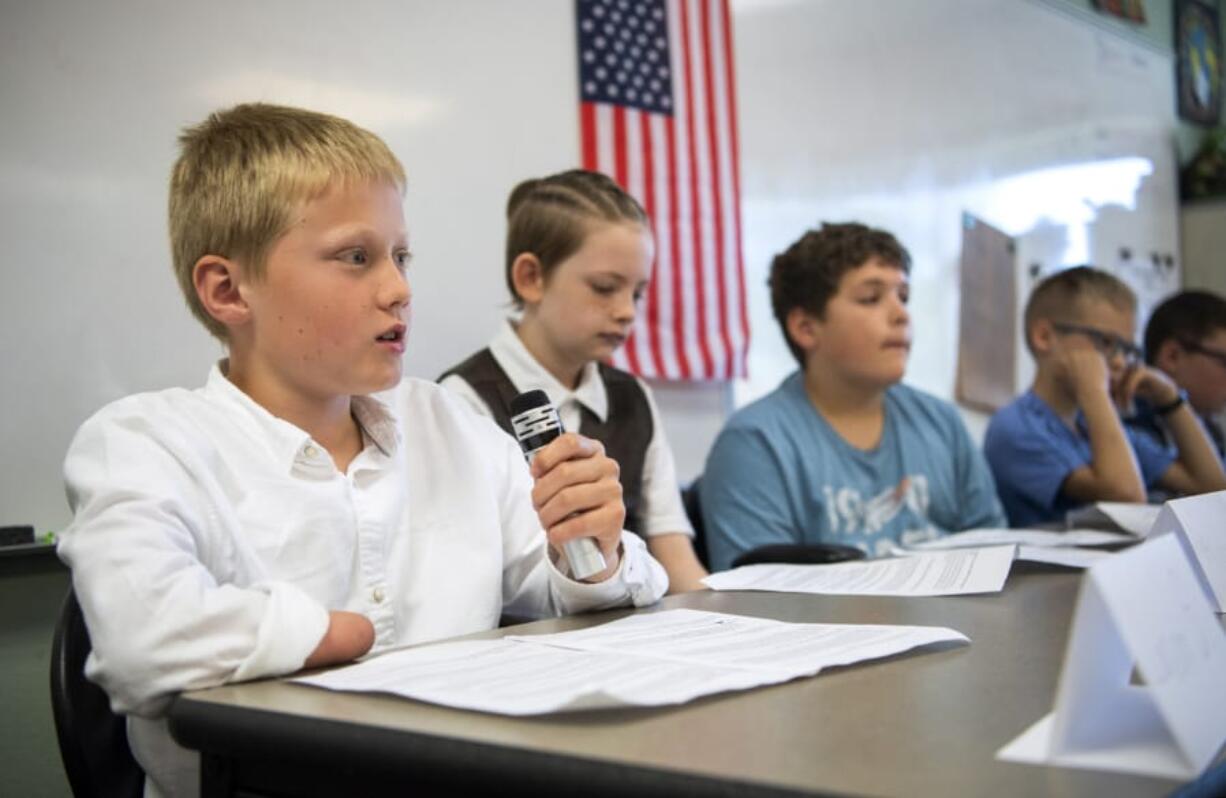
528	277
1169	353
804	329
1042	336
216	280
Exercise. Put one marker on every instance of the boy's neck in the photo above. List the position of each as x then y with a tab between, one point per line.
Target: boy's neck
855	411
329	422
1054	394
538	345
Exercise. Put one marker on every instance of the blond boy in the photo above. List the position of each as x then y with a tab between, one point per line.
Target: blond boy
284	515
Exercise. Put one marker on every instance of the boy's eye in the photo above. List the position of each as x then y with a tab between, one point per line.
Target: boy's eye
354	257
402	259
604	289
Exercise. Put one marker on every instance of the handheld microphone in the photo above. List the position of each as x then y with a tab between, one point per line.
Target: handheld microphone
536	423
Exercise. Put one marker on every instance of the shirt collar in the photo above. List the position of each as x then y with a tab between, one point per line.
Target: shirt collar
527	374
289	443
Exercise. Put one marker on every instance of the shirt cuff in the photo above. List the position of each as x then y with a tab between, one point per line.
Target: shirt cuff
292	626
638	578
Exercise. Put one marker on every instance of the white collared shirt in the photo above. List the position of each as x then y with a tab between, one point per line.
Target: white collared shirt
662	511
210	540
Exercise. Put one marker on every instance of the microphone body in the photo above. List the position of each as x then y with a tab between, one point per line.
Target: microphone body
536	423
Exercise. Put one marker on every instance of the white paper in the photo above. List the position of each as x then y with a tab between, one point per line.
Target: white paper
1134	518
1068	557
650	659
1200	524
1142	608
930	573
1025	537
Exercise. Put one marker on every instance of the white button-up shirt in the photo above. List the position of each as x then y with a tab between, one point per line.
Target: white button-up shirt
210	540
662	511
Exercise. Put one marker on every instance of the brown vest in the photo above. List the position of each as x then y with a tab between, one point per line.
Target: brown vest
625	432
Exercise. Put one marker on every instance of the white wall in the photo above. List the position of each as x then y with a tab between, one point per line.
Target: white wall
904	115
886	111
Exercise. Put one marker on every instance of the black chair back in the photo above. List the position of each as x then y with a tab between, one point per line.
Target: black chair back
93	740
692	502
799	554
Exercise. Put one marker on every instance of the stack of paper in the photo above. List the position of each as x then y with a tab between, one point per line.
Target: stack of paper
648	659
931	573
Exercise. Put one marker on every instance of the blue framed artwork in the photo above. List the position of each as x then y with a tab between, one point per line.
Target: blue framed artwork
1198	49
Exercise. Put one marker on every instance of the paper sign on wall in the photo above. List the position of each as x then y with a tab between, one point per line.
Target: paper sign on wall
1142	607
1200	524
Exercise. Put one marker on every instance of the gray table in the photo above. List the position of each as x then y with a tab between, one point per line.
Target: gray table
922	723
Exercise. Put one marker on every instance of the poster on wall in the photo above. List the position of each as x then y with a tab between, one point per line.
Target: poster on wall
987	323
1198	49
1131	10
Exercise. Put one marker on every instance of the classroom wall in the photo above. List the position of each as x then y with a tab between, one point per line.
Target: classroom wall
1157	32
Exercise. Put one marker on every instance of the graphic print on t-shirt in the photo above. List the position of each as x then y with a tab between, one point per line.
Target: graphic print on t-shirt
863	523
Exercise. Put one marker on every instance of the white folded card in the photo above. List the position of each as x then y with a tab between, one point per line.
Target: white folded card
1141	607
928	573
648	659
1200	524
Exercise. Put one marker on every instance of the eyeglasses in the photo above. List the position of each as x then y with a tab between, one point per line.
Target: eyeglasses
1214	354
1108	344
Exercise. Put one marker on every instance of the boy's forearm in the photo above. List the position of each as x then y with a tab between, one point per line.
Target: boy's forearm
1196	452
676	553
1112	460
349	636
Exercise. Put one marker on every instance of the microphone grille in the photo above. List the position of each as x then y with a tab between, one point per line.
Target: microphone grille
528	400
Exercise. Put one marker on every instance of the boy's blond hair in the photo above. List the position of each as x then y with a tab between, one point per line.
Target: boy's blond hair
1057	297
242	175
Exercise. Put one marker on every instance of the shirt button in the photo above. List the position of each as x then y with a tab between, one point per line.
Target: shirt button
377	595
310	451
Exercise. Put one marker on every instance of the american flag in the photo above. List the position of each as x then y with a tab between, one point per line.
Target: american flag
657	107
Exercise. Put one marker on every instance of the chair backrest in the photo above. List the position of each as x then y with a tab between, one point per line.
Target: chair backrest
93	740
692	502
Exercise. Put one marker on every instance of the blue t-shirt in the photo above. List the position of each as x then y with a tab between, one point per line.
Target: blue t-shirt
1031	452
779	473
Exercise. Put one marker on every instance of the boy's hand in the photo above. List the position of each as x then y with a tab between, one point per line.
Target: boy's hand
578	494
1085	371
1148	383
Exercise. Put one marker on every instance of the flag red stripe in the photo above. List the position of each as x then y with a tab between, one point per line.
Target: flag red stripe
717	199
696	215
683	360
621	173
730	84
649	205
587	130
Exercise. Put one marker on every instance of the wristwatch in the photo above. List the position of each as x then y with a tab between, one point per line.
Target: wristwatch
1173	405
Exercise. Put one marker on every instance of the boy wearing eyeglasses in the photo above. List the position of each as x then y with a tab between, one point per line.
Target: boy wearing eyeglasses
1063	442
1186	339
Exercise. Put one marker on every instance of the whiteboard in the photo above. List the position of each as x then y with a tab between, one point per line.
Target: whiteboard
906	115
876	109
